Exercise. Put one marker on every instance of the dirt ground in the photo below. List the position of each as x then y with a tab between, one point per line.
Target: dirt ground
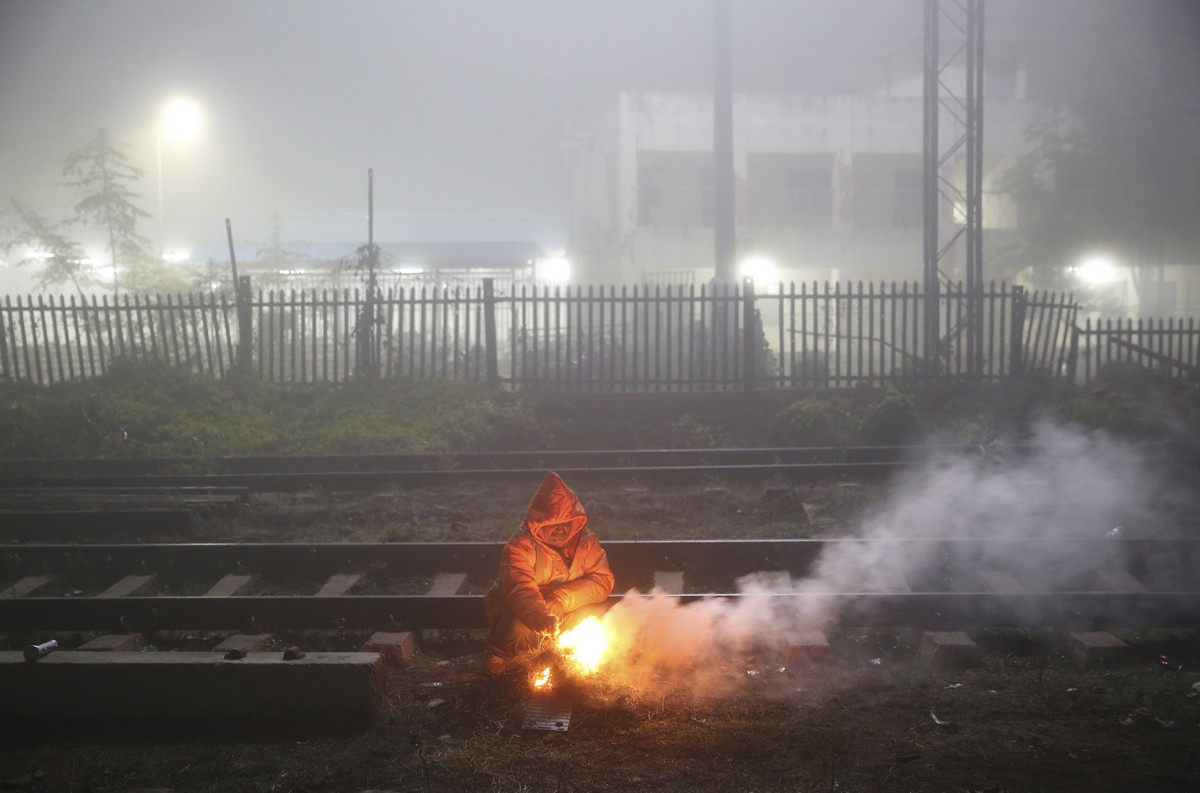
877	719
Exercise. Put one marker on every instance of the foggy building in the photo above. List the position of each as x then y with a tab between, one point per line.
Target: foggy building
826	187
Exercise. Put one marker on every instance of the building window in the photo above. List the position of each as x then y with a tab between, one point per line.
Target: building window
675	188
887	191
789	189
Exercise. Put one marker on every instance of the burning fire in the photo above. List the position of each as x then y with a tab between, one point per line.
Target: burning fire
585	645
583	648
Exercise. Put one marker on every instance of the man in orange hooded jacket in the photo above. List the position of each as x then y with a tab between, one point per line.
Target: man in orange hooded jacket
550	569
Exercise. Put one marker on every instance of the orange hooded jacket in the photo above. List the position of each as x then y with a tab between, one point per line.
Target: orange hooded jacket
539	576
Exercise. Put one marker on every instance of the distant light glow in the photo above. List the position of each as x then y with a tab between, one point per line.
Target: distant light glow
761	270
410	269
555	270
181	119
176	257
1096	270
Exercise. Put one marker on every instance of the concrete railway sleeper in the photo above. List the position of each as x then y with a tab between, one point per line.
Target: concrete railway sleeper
408	586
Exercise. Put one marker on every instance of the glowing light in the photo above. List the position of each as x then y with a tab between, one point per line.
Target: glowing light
585	645
176	257
1096	270
556	270
181	119
542	680
410	269
760	269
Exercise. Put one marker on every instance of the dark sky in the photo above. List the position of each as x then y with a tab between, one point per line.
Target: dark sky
460	107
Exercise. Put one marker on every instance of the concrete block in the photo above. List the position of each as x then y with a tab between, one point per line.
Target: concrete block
244	642
339	585
1001	581
950	649
394	647
113	643
445	584
807	647
1120	581
127	586
193	687
231	586
19	589
1096	646
669	582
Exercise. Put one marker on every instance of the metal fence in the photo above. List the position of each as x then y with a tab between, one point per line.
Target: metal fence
674	337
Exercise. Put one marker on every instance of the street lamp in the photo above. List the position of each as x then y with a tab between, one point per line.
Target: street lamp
180	121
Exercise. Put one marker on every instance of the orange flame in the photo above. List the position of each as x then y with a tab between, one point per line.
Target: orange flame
542	680
585	645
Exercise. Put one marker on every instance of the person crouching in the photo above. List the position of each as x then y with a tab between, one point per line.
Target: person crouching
551	571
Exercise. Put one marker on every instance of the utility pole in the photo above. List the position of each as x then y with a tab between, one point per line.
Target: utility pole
724	234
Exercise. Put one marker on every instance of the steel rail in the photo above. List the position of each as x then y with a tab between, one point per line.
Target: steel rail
599	458
1077	610
1173	559
367	480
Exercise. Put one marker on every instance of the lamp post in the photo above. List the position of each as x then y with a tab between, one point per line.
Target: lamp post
180	121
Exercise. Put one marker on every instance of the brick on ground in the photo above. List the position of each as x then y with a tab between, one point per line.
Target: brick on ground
950	649
393	646
114	643
1089	647
808	647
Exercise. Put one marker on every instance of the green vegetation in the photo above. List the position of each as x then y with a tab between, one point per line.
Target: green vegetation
143	408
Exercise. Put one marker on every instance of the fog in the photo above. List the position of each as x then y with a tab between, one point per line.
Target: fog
465	110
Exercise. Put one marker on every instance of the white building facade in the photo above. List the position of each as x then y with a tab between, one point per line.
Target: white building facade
827	188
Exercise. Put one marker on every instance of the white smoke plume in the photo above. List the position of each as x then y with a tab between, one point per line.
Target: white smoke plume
1064	484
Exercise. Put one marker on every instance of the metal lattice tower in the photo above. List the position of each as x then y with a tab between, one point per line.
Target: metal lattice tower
953	99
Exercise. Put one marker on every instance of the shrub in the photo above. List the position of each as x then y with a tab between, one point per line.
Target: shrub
895	421
811	422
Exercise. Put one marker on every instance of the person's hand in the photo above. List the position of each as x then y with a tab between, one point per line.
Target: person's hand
547	623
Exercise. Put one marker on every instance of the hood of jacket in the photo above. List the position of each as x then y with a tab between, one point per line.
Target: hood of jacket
553	504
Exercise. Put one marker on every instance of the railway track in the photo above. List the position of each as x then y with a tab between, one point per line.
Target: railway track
407	586
368	471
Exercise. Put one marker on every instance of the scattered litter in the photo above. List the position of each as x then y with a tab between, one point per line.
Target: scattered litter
1167	663
1072	690
433	703
1115	533
443	663
1195	692
752	673
949	726
877	661
954	685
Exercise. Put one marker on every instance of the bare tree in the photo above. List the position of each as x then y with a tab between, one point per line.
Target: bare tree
105	177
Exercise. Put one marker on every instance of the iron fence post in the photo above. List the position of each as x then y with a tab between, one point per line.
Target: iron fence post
1016	341
245	331
489	331
750	333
